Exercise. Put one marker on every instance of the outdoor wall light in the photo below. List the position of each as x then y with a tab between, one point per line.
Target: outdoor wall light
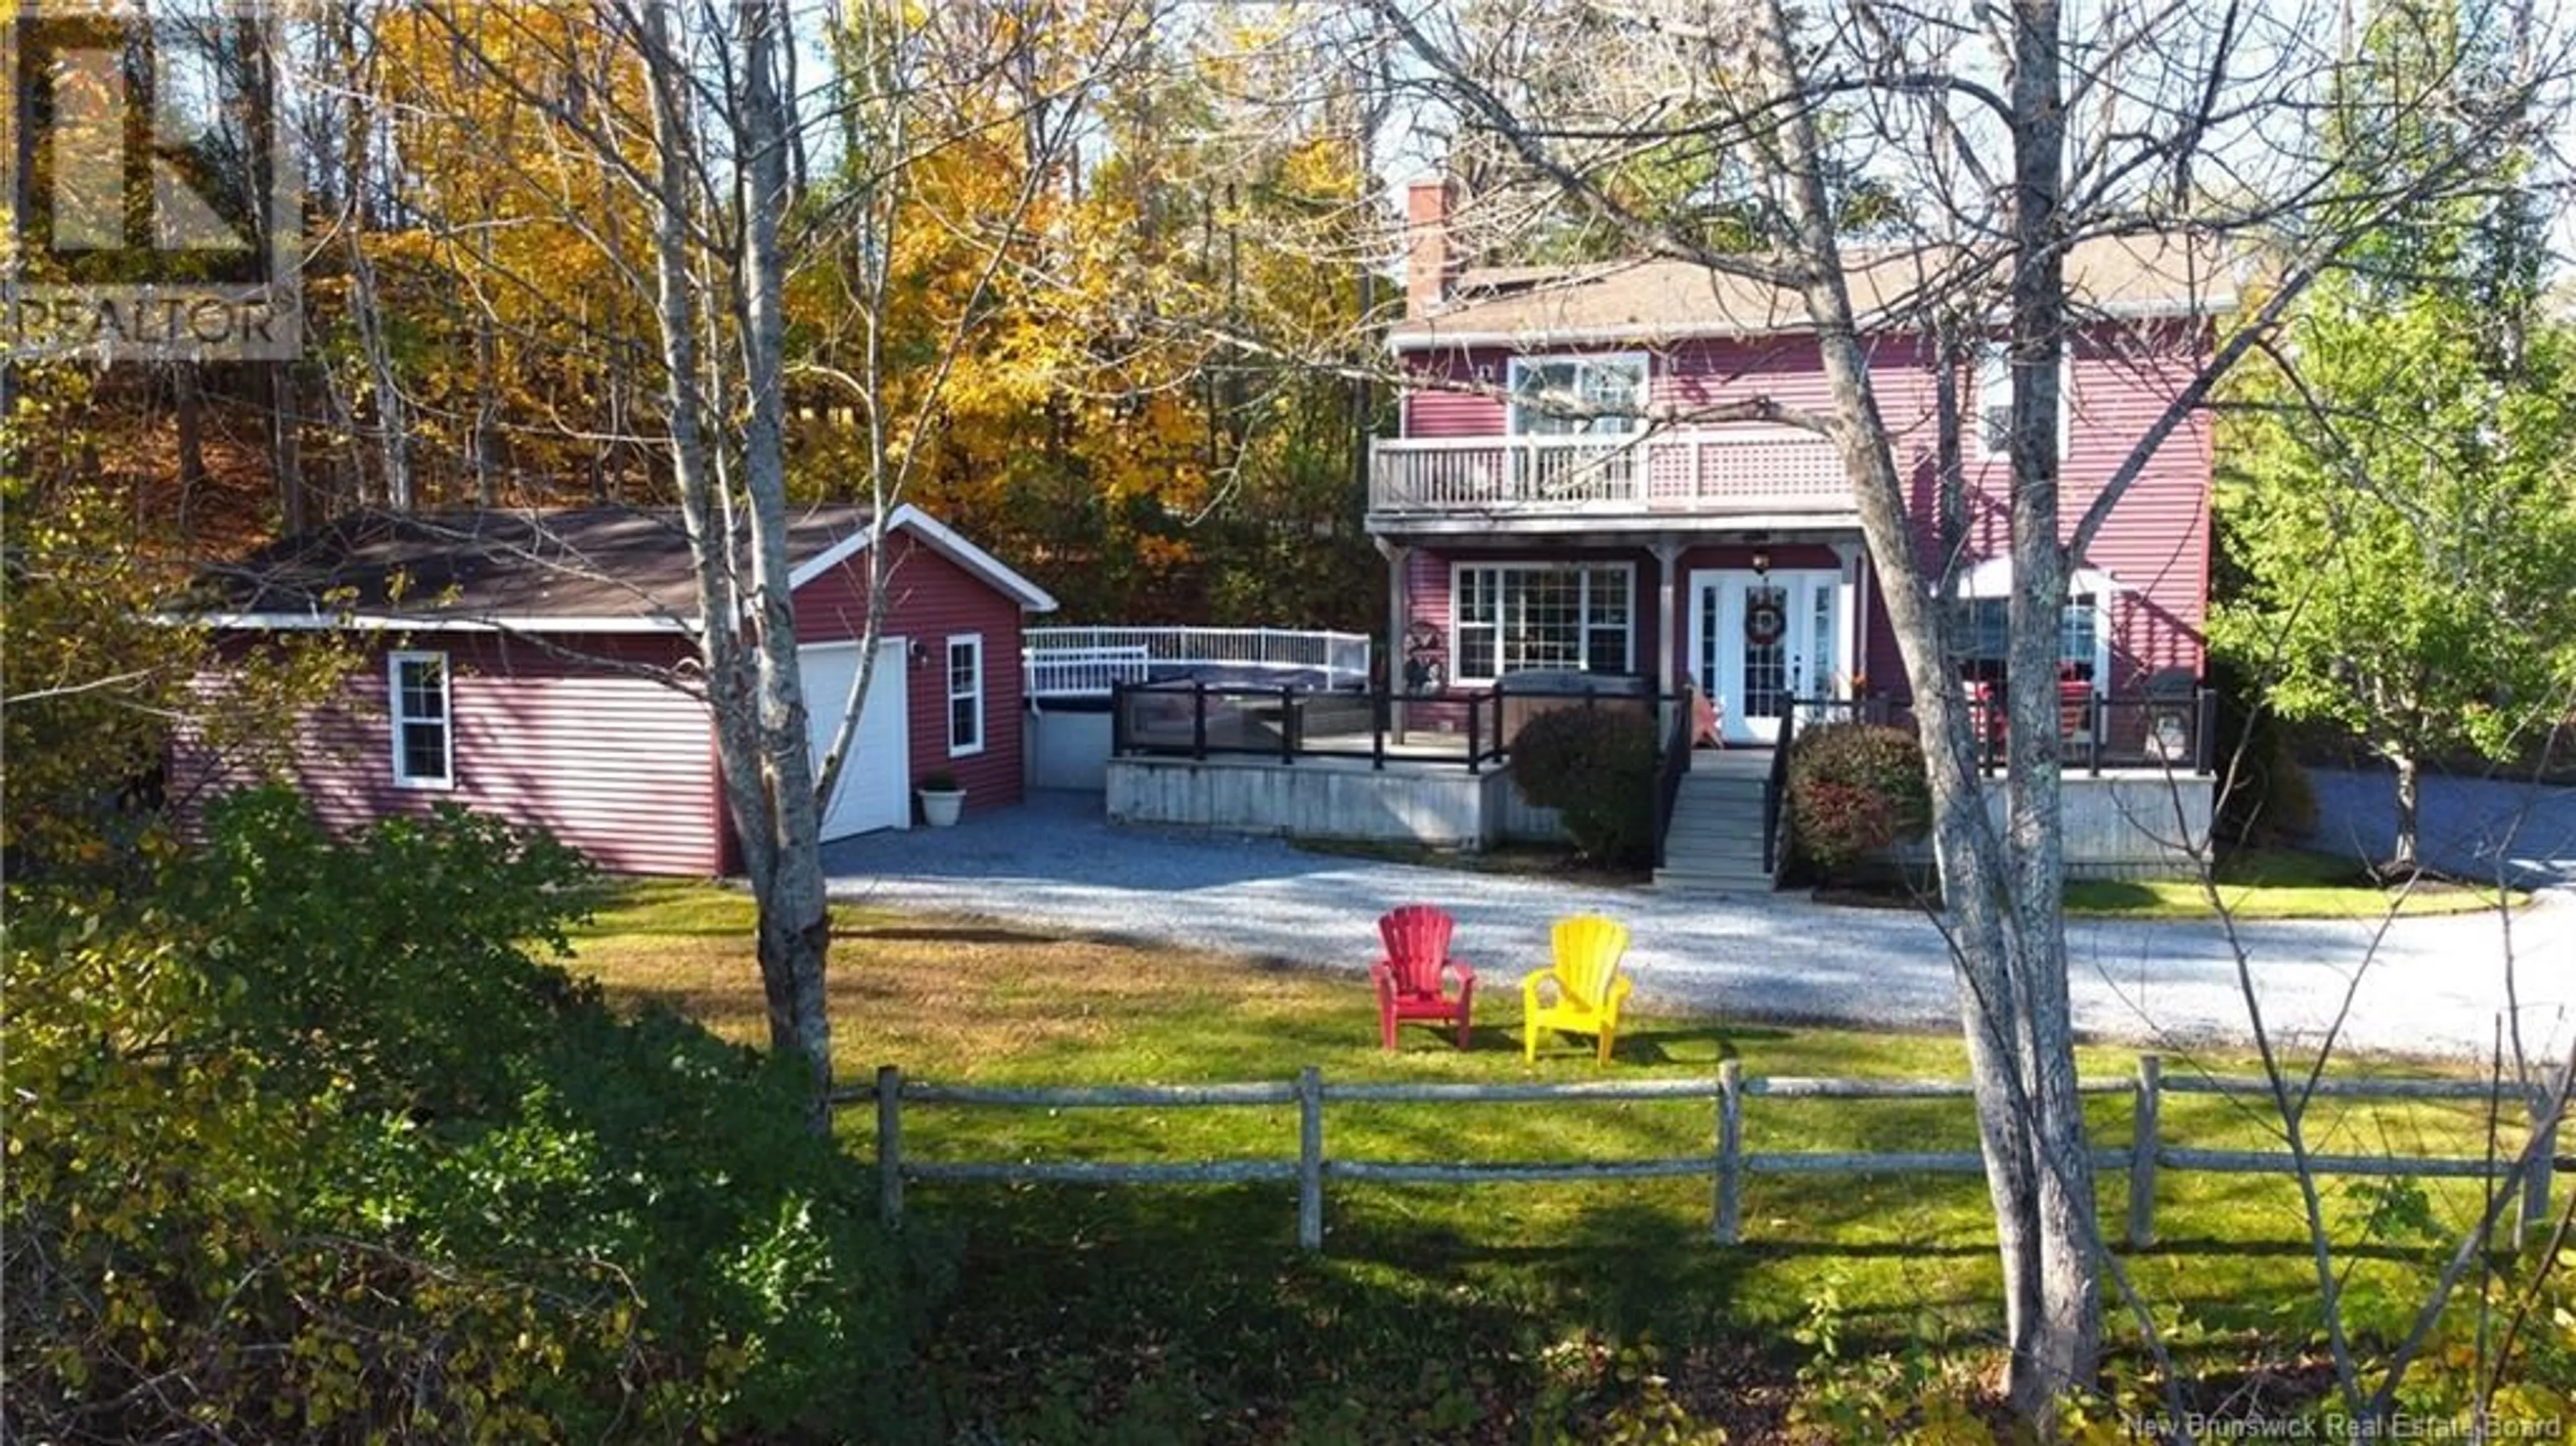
1761	561
920	653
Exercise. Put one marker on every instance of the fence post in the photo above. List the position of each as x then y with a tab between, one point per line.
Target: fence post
1287	724
2143	1143
1310	1158
1198	720
2544	1145
1475	721
2098	718
1117	719
889	1145
1380	709
1729	1224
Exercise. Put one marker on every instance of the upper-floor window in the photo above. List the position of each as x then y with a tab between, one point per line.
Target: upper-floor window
1991	427
424	740
1577	395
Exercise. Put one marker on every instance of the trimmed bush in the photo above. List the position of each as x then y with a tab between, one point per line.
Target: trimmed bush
1855	788
1596	768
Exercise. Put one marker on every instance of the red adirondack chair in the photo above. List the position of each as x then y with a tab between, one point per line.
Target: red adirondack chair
1409	977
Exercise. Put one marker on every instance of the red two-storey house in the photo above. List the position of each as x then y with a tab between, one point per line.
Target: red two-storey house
1551	503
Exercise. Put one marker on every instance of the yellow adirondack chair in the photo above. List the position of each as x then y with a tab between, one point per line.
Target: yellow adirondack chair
1589	986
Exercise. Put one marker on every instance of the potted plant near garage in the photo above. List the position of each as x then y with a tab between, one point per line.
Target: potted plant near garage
941	798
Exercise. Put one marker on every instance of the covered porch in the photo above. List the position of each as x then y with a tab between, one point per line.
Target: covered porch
1751	614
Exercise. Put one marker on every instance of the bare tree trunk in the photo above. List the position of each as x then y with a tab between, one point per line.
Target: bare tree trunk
393	425
188	403
285	446
2067	1345
795	927
2409	802
2007	969
487	387
752	681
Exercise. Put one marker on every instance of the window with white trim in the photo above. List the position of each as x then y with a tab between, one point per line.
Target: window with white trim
2082	639
424	734
1509	616
1578	395
1990	426
965	695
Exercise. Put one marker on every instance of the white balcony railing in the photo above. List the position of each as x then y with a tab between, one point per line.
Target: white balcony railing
1071	661
1730	470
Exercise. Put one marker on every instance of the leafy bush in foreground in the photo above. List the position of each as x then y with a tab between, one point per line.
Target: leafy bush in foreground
309	1144
1596	768
1855	788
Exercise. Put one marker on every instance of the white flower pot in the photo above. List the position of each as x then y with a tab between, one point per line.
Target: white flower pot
939	810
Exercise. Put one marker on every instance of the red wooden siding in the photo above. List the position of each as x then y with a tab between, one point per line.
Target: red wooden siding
615	765
934	600
1465	398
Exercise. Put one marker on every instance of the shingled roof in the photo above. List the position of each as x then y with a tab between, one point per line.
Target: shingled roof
585	568
1651	301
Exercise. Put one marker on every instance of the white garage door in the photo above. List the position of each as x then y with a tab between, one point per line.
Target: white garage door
873	791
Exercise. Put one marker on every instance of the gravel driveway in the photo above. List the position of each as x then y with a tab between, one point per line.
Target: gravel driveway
2435	986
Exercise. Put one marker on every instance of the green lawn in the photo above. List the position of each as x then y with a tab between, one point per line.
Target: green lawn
1158	1313
2279	884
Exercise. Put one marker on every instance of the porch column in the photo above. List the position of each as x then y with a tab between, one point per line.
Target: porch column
1398	606
1852	605
1668	557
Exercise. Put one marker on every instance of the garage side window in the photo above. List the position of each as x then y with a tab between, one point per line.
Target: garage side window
424	740
965	695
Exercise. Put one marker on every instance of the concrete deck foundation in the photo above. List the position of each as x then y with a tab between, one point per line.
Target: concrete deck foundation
2128	825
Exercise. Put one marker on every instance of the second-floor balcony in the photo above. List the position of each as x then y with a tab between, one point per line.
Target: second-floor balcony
1713	473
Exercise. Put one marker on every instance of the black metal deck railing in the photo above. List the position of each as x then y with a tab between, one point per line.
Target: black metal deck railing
1470	729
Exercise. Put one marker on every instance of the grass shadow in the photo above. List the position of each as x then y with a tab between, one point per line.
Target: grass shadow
1659	1044
945	934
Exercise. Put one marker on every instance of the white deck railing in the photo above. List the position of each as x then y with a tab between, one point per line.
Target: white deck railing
1058	662
1729	470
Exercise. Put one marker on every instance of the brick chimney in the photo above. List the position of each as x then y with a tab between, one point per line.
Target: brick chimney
1431	261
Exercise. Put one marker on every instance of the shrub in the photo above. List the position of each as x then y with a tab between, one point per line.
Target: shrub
2268	798
1596	768
312	1144
1855	788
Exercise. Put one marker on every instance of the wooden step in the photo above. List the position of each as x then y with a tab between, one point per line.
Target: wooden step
1690	882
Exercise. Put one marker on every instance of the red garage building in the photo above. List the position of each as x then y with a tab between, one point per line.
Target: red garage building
539	665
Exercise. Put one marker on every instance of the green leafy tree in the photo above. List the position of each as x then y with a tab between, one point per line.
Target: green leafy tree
2397	499
2403	513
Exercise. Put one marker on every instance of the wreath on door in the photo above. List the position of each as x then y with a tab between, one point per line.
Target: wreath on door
1764	622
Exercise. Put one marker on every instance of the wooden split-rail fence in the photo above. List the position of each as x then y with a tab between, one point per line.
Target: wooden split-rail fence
1726	1164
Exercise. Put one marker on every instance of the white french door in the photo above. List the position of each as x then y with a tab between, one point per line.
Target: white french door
1758	640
